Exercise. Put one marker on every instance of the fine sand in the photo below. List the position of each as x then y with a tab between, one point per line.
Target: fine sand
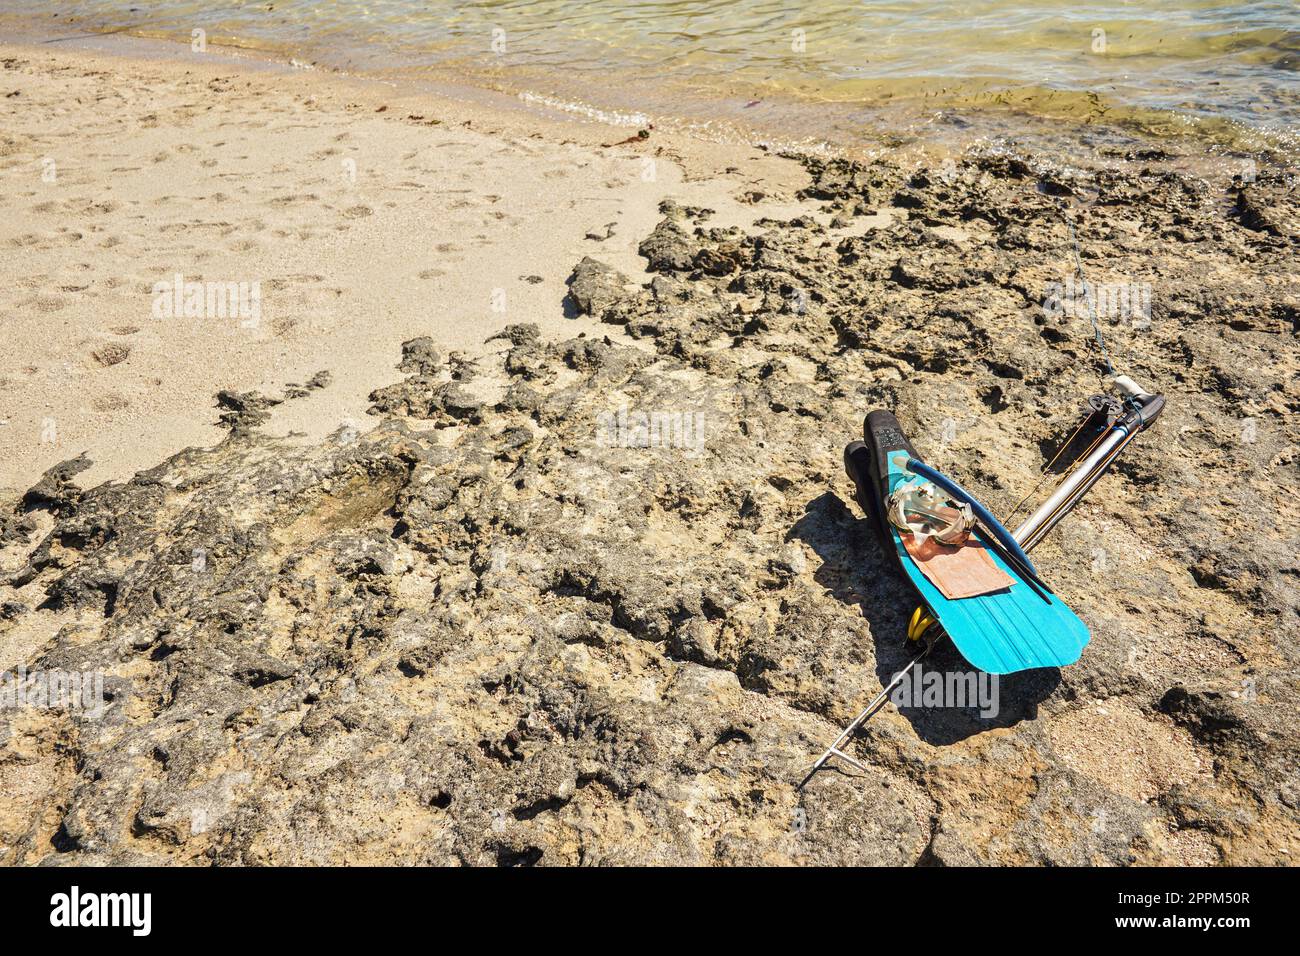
364	216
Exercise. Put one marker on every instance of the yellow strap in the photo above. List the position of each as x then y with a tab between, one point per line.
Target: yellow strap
921	621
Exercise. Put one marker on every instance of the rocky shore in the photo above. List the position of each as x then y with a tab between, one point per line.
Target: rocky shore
589	602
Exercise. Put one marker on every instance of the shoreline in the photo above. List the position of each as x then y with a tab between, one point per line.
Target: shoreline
917	124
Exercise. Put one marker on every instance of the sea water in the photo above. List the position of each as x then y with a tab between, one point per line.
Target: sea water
882	71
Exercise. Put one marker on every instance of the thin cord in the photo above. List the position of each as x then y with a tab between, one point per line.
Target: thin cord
1105	354
1043	474
1087	295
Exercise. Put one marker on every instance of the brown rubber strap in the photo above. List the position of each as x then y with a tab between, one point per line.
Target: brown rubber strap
958	571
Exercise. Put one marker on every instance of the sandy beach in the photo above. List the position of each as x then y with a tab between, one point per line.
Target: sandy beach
456	480
365	218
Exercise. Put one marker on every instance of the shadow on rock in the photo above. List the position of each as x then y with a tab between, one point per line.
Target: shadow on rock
856	570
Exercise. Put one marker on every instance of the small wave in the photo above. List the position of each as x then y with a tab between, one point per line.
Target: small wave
608	117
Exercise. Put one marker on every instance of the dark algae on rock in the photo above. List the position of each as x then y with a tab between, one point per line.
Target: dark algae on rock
607	613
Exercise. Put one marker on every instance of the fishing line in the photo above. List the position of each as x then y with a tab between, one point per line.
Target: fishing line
1087	295
1105	354
1043	474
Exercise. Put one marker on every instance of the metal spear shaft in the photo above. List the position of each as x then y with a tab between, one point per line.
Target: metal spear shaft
867	712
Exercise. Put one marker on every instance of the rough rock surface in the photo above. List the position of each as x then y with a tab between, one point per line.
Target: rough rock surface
610	614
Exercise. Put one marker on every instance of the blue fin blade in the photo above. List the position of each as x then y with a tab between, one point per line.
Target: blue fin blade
1006	631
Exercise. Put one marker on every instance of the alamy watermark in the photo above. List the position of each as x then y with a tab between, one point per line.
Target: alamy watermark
81	691
923	688
632	428
1111	301
175	298
74	909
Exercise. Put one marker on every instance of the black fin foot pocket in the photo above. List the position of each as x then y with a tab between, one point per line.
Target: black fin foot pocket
857	464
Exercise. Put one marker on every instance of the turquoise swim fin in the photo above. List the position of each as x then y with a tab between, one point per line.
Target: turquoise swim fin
1017	628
